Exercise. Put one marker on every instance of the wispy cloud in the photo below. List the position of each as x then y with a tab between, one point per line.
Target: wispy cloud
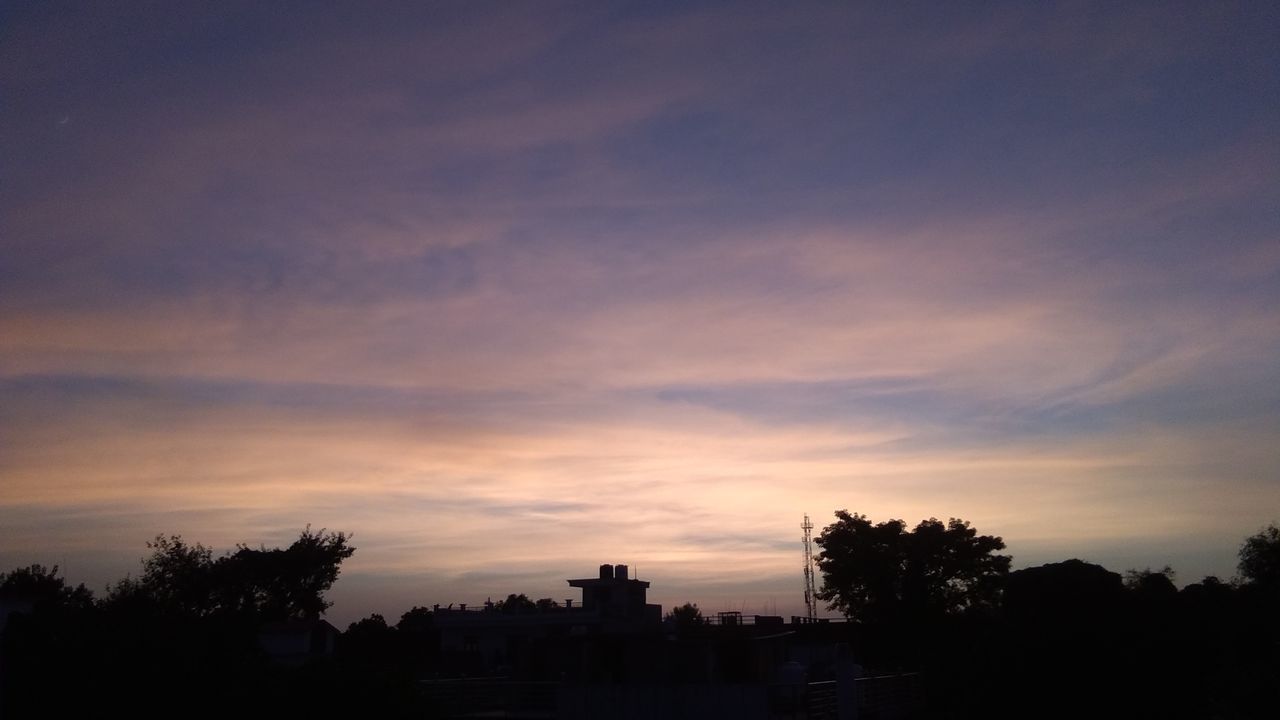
481	283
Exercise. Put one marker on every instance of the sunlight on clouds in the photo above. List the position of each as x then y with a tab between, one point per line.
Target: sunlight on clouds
426	493
513	294
1013	329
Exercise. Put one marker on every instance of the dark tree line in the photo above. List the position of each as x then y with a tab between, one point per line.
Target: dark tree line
272	585
882	572
1067	639
180	639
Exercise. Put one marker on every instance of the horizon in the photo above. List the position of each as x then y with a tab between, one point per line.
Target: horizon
363	596
485	285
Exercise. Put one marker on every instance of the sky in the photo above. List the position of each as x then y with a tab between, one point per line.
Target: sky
510	290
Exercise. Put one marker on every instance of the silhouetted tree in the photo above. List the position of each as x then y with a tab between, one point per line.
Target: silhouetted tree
420	641
686	615
1257	642
185	580
374	675
187	627
1260	559
45	631
882	572
1070	589
515	604
374	624
1151	584
179	577
42	588
1071	620
416	619
284	584
1210	589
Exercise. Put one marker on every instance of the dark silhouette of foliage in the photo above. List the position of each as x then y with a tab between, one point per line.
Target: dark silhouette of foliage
1071	588
1210	589
514	604
372	625
545	604
419	640
377	668
278	584
416	619
288	583
192	625
882	572
44	629
179	577
42	588
1151	584
1260	559
686	615
189	625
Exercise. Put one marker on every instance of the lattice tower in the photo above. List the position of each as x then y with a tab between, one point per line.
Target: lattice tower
810	594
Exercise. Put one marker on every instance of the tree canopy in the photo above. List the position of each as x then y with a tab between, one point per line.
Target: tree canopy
883	572
1260	559
416	619
1063	589
42	587
276	584
686	615
1150	583
515	604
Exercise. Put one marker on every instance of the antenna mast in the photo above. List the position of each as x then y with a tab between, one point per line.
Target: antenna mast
810	594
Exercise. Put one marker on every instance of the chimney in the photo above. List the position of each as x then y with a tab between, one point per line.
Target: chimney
619	572
606	571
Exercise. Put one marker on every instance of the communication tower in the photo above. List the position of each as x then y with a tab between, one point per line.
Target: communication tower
810	594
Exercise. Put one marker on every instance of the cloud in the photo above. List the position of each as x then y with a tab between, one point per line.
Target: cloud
489	289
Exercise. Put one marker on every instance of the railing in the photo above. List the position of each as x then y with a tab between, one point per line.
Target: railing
822	701
727	619
735	618
889	696
490	608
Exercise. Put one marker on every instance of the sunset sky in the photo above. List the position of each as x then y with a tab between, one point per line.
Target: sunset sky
509	290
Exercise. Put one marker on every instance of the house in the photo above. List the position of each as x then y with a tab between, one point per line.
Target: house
294	642
485	640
